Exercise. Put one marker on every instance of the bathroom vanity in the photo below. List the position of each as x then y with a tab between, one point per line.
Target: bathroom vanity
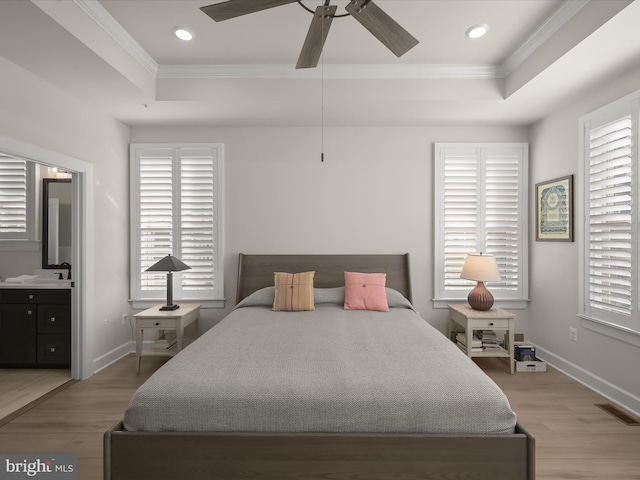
35	325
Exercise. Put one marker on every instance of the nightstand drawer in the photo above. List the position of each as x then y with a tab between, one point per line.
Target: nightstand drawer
490	323
155	323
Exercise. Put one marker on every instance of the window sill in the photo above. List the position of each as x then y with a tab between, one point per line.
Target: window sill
612	331
506	304
144	304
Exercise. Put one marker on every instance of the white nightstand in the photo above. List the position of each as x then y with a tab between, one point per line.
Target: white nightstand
156	319
494	319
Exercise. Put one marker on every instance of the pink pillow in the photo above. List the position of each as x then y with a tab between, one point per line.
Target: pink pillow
365	291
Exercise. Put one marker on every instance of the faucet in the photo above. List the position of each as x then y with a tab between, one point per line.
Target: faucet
68	267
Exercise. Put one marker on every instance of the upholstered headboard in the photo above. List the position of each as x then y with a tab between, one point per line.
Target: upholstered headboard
256	271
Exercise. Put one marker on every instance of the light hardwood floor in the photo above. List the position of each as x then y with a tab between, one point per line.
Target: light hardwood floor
19	387
574	439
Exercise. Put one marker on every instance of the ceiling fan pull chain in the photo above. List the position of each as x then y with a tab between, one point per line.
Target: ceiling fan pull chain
326	5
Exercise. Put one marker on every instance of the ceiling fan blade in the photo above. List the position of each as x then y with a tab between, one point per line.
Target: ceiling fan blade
382	26
236	8
316	36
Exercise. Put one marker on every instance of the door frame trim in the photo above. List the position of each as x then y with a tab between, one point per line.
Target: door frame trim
82	238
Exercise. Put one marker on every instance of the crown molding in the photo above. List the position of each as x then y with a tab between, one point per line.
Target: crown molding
94	10
333	72
561	16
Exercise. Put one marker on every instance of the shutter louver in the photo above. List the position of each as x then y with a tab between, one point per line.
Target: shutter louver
13	199
610	217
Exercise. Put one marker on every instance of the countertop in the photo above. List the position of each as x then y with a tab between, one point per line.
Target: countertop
39	284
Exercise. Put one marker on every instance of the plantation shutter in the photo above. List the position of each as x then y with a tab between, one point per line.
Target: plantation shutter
197	220
14	199
156	215
502	206
461	191
177	212
610	221
480	207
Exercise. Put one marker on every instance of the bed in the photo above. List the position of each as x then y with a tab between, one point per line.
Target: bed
366	421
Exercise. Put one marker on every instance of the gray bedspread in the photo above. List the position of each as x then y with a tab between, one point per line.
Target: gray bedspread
328	370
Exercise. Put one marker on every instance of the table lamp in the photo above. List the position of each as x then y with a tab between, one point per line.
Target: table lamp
481	268
169	264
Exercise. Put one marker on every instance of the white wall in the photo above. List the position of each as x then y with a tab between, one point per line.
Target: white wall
372	194
39	114
606	364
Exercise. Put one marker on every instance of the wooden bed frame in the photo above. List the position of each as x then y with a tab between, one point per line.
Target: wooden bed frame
238	456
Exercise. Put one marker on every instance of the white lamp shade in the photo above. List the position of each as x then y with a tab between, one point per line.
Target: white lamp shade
481	268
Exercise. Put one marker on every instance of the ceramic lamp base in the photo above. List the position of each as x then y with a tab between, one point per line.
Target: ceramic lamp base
480	298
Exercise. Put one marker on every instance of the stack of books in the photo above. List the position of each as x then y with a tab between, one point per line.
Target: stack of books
167	340
476	343
489	339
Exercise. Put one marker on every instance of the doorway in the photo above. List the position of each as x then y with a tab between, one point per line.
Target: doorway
82	239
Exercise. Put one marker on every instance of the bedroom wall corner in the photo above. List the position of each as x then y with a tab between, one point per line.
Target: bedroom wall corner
596	359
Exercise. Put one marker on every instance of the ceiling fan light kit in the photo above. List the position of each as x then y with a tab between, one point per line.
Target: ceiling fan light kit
367	13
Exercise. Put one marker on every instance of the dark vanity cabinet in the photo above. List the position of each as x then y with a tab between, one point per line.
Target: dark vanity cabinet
18	335
35	328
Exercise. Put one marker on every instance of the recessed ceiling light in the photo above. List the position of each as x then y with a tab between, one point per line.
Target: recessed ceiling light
183	33
477	31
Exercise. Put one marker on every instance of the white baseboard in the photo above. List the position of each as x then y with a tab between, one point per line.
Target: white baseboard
621	397
113	356
116	354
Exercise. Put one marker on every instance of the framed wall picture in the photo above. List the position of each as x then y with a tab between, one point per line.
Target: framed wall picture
554	210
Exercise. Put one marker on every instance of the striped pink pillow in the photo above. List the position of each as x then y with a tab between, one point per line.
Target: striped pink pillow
294	291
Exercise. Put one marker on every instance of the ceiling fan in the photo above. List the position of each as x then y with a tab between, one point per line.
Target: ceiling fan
370	16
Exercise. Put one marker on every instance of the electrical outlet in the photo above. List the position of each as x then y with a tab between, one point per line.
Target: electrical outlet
124	318
573	334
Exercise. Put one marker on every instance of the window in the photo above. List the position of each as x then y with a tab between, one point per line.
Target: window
17	204
481	206
609	237
177	209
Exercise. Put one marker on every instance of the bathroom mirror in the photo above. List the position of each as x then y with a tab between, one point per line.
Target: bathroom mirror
57	194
